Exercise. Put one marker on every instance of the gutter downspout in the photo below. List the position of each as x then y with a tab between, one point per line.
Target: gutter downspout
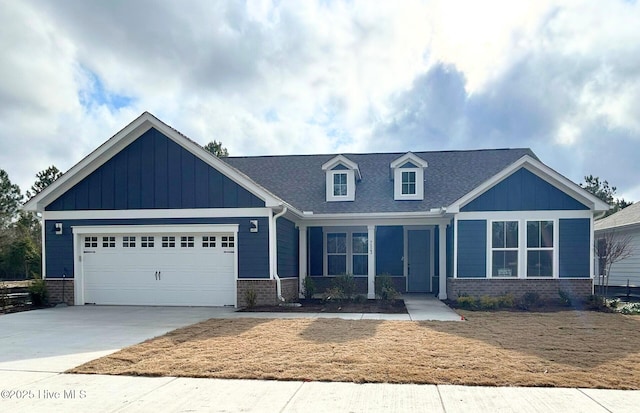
275	258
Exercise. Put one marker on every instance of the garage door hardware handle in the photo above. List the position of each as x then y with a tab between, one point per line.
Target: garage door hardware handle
160	275
156	275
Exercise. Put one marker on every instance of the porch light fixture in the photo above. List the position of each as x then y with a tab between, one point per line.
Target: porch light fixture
254	225
58	228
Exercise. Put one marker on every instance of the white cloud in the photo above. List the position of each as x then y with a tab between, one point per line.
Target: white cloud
303	77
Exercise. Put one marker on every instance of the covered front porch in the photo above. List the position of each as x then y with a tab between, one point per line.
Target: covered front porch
415	253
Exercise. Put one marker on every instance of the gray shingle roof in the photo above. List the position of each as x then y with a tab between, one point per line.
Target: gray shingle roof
300	181
628	216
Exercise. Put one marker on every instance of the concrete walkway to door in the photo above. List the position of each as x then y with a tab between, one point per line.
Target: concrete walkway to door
426	307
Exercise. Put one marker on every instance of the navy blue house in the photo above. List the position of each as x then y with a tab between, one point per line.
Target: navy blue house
152	218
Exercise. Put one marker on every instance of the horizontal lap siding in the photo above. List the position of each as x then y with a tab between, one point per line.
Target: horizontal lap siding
575	248
629	268
472	248
523	191
287	235
389	250
154	172
253	248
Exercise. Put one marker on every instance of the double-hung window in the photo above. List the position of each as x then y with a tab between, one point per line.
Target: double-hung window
408	182
504	249
339	184
359	253
347	253
336	254
540	244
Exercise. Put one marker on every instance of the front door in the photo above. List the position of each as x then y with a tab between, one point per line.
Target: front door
419	261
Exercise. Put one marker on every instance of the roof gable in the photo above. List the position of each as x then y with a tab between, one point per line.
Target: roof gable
551	177
124	138
154	172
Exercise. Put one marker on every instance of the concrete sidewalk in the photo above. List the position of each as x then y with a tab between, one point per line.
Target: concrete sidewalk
51	392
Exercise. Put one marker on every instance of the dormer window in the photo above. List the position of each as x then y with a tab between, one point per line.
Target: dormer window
408	182
341	175
339	184
408	177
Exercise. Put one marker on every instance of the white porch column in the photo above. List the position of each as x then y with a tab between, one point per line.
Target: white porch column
442	254
302	257
371	279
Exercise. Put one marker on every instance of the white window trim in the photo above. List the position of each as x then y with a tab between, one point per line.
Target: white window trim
349	254
555	268
491	249
351	186
522	219
397	187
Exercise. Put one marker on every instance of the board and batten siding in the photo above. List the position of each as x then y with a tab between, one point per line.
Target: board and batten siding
390	250
574	248
523	191
472	248
154	172
252	247
629	268
287	241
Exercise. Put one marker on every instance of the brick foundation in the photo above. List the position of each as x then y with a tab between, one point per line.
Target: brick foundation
54	286
578	288
289	289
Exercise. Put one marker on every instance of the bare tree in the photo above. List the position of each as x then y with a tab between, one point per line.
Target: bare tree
611	247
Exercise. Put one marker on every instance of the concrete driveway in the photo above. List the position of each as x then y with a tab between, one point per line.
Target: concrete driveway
57	339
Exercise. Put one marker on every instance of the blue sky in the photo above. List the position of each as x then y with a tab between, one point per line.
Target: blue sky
562	78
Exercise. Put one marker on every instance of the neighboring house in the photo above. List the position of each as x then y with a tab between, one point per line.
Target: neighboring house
623	224
150	217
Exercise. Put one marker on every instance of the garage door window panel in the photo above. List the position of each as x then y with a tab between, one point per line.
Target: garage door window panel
168	242
91	242
108	242
147	242
128	242
227	242
187	242
208	241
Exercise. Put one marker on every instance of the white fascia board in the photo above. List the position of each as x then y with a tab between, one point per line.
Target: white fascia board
159	213
155	229
402	218
343	160
409	156
543	172
119	141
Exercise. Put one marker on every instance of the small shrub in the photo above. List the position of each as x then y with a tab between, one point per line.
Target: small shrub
506	301
360	299
332	294
346	285
4	297
565	298
39	293
385	288
529	300
309	287
596	303
250	297
466	302
488	303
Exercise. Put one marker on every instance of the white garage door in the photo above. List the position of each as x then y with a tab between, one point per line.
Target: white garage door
185	269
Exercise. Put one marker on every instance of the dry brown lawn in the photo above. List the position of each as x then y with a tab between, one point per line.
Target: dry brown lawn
566	349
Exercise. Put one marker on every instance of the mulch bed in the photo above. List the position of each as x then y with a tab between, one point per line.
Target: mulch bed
321	306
